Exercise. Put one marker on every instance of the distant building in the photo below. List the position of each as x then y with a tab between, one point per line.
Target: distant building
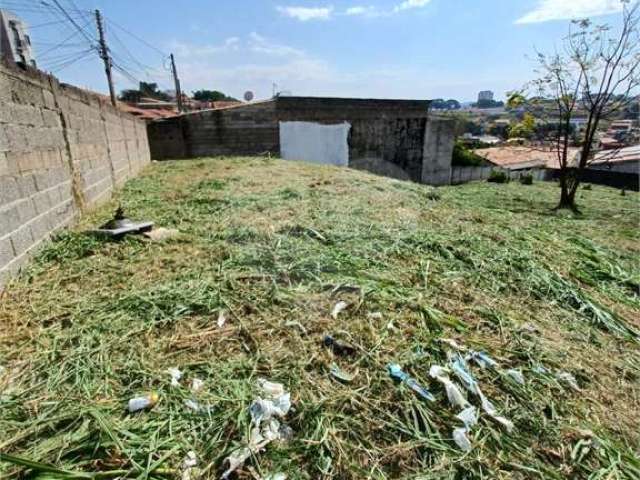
485	95
15	44
626	160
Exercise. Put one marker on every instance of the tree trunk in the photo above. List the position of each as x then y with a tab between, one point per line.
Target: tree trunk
568	187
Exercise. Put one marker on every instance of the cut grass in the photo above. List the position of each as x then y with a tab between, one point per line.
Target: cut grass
91	324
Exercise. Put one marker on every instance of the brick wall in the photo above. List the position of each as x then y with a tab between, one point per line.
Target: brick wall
62	150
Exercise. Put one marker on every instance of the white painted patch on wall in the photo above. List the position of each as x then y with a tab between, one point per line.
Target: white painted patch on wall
314	142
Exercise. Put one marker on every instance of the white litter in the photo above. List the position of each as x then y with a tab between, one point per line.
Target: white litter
488	407
276	476
516	376
339	307
453	344
461	439
482	360
266	428
193	405
176	375
196	385
569	380
222	319
455	396
140	403
188	466
375	316
469	416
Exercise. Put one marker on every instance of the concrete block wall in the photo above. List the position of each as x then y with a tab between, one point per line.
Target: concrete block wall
62	150
396	138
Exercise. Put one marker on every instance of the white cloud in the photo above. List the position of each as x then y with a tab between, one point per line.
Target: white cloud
305	14
548	10
408	4
263	46
187	50
363	11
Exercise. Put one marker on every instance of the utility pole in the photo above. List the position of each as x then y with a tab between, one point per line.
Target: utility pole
104	54
176	80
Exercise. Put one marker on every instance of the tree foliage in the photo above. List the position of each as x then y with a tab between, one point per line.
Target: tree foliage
212	96
597	72
145	89
524	129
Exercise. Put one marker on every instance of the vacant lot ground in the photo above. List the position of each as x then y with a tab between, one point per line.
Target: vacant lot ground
276	245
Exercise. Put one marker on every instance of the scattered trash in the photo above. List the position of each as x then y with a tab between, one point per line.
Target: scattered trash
266	428
345	288
176	375
120	225
339	307
192	405
341	375
469	416
455	396
340	349
453	344
482	360
459	367
461	439
539	369
375	316
140	403
397	374
188	466
516	376
569	380
161	234
196	385
490	410
222	319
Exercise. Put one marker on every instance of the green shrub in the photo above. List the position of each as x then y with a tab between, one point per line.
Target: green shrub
498	176
464	157
526	179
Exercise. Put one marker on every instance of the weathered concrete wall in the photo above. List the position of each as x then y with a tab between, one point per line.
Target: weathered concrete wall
438	151
245	130
62	150
390	137
461	175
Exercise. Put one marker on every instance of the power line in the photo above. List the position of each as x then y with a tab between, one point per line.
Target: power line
63	42
73	22
152	47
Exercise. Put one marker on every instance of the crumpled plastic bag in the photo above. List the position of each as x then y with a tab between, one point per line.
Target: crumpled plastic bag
461	439
455	396
482	359
398	374
459	368
516	376
266	427
338	307
569	379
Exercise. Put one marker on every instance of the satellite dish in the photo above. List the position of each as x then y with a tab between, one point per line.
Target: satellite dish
248	96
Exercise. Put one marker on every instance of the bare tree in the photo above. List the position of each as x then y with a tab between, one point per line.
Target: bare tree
596	75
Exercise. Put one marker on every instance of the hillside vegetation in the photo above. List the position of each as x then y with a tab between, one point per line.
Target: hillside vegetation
274	246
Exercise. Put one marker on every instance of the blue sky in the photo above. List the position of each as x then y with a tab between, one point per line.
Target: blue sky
362	48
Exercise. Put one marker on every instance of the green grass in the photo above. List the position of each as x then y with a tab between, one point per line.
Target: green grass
92	323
